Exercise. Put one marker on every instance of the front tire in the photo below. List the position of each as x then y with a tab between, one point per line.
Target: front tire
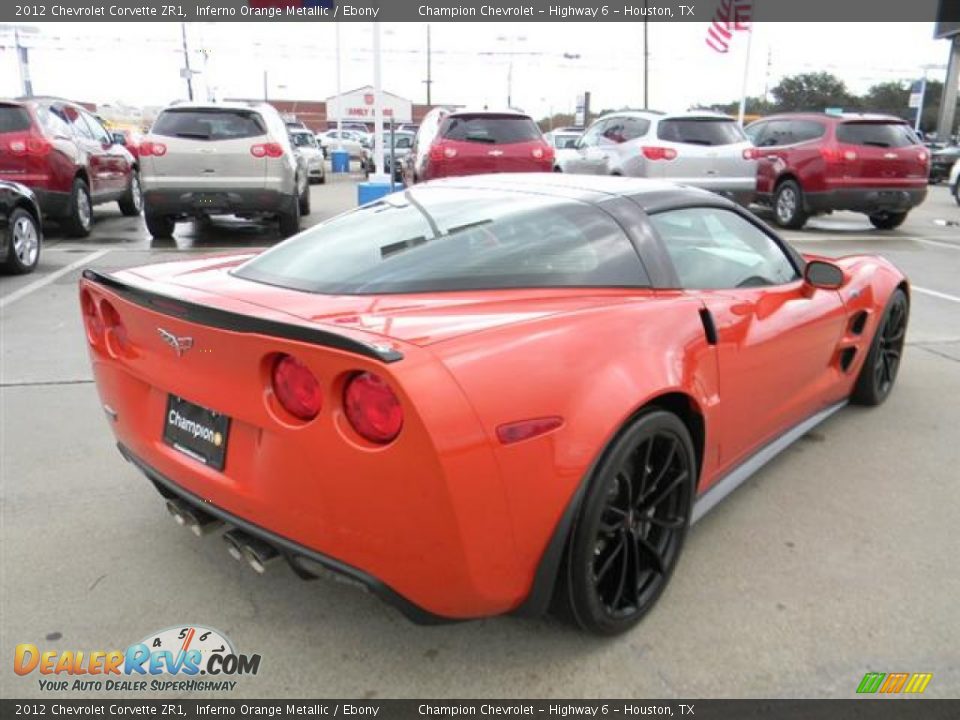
887	220
788	210
79	219
956	191
132	201
631	527
879	371
23	242
290	220
303	200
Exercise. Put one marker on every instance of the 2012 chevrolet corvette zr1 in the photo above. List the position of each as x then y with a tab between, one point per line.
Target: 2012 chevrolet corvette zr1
490	394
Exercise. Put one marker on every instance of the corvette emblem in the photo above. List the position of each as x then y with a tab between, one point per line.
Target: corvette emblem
495	153
179	344
890	156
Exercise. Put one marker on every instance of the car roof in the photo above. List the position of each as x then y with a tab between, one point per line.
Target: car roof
489	111
650	195
867	117
226	105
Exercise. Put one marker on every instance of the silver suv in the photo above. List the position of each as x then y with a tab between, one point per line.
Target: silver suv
703	149
203	159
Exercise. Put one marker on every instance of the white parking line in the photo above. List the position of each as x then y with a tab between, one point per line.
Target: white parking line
934	293
952	246
52	277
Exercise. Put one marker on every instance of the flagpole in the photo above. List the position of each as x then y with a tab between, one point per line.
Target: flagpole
746	71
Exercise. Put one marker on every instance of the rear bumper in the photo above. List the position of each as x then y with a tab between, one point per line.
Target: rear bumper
866	200
197	201
305	562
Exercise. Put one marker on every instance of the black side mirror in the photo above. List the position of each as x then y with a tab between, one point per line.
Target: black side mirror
118	138
823	275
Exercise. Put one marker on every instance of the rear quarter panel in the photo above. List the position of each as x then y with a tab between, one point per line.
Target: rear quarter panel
595	369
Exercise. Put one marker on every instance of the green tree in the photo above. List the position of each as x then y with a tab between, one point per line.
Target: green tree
891	98
812	92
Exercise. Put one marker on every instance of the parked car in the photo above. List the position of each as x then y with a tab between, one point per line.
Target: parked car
942	161
472	142
21	228
402	143
408	127
130	139
812	163
305	144
485	374
67	157
203	159
702	149
954	181
350	141
564	141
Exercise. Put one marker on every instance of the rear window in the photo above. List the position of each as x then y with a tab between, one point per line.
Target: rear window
303	139
13	118
876	134
492	129
701	131
447	239
209	124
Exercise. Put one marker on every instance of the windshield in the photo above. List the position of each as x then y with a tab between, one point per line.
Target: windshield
701	131
876	134
303	139
447	239
563	142
490	129
214	124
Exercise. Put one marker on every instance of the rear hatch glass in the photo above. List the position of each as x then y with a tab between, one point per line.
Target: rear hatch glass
214	124
13	118
876	134
489	129
701	131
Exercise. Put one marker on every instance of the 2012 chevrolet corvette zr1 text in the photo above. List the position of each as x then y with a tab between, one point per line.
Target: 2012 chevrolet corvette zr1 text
490	394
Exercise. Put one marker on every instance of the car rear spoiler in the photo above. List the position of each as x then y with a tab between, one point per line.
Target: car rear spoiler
238	322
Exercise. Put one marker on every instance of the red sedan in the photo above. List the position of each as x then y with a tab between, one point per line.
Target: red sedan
489	394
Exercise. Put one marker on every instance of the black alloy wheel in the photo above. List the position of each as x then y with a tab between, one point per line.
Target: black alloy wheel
879	372
632	526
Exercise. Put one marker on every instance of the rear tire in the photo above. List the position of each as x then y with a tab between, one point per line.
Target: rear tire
79	219
788	209
304	199
956	191
887	220
159	226
879	371
132	201
23	240
630	529
290	220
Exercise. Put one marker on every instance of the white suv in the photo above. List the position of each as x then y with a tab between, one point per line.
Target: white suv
203	159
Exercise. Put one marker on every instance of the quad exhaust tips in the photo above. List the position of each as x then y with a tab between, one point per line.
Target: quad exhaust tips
257	553
197	521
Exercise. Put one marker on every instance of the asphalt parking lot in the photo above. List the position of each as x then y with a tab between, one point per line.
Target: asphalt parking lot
841	557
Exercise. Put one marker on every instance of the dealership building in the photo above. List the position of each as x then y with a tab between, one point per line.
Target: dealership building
352	106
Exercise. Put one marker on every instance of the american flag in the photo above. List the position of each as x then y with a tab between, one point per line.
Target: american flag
731	16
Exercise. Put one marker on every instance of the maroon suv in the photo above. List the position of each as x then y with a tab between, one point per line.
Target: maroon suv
66	156
815	163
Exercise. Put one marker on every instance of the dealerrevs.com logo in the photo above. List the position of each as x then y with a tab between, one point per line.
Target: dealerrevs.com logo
177	659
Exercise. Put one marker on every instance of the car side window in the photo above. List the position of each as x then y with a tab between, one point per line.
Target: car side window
592	136
715	249
634	128
778	133
77	123
54	122
755	132
97	131
806	130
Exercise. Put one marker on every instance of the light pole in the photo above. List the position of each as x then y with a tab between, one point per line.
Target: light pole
23	55
187	72
429	81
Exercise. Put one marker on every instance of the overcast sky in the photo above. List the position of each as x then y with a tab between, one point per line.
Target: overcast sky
138	63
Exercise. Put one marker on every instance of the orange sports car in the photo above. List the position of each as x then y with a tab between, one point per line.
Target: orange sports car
485	395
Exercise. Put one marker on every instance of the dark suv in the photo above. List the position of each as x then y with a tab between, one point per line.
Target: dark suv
817	163
66	156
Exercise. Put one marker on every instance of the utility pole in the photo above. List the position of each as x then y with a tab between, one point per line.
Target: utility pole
187	72
429	80
266	94
646	60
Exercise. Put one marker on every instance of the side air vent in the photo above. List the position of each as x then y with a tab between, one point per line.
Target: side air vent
709	328
846	357
858	322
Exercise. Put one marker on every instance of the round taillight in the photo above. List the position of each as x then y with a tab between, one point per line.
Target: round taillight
91	317
115	330
372	408
296	388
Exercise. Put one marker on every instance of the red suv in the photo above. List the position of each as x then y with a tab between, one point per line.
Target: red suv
817	163
471	143
66	156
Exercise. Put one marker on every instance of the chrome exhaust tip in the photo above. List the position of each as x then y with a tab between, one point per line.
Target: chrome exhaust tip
233	539
257	553
199	522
